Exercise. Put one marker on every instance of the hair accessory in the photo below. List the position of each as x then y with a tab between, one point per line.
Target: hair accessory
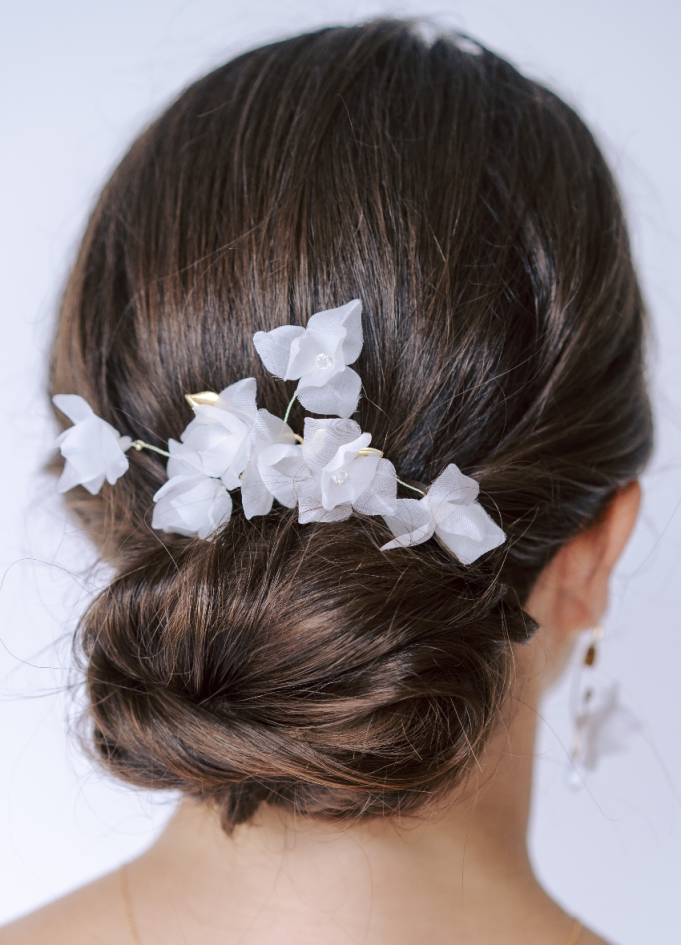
317	357
93	449
602	725
345	473
329	473
450	510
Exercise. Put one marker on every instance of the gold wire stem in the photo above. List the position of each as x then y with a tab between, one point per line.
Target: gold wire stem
141	445
407	486
288	409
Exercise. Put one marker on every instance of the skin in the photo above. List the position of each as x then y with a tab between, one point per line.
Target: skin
456	876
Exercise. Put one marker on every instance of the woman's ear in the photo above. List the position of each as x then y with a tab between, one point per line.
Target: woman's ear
571	592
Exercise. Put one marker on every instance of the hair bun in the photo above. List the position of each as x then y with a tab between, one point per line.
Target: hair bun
300	665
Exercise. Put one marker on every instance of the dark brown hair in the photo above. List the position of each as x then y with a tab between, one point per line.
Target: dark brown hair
472	213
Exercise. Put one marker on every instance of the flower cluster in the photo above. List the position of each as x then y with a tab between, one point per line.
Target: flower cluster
329	473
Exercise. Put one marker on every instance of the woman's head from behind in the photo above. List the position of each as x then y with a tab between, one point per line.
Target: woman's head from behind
472	213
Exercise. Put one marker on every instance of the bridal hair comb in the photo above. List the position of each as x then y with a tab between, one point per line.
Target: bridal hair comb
328	473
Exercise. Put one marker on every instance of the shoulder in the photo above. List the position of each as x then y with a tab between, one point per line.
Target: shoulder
93	915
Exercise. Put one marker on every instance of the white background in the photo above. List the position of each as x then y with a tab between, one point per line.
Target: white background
78	80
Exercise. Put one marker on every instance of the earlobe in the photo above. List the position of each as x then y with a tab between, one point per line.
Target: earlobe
571	593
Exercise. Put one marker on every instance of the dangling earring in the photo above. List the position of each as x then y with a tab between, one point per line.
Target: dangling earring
601	724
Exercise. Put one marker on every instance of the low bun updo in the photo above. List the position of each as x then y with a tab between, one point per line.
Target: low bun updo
472	213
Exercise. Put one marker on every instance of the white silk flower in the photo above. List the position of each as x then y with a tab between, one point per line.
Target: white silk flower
449	510
93	449
219	434
317	356
191	502
275	466
340	478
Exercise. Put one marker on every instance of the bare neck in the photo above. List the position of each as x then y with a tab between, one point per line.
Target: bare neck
462	876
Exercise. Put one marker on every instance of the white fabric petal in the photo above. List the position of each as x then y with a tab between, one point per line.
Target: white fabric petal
75	407
87	446
272	442
164	516
453	486
283	470
347	475
316	356
348	317
455	516
256	498
466	548
468	521
94	451
71	477
240	398
94	485
183	461
341	476
221	441
227	422
219	433
338	398
267	430
411	523
310	508
381	495
219	514
461	523
322	439
274	347
191	505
